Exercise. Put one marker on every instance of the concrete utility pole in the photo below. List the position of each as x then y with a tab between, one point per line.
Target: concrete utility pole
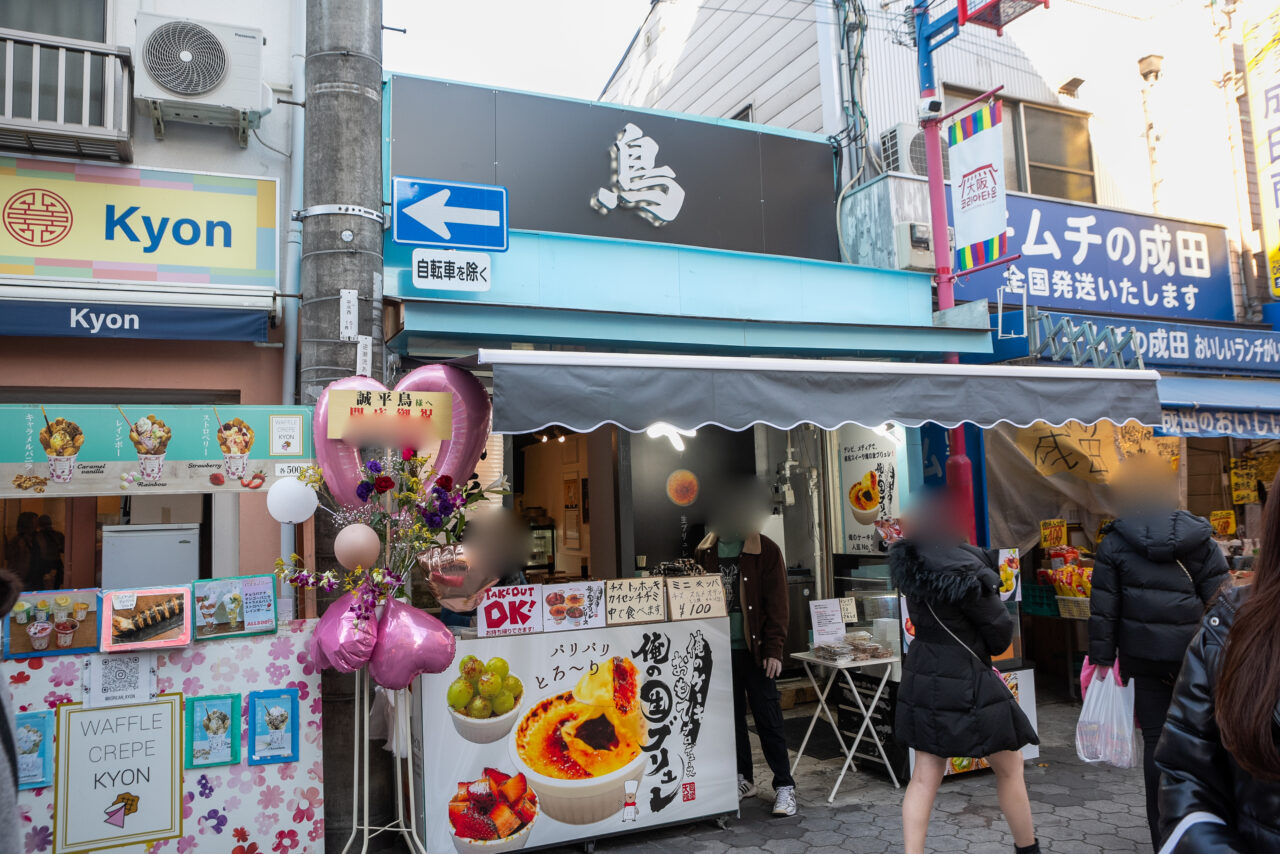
342	250
1149	67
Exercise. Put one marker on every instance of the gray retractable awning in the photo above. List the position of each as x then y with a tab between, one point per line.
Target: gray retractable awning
581	391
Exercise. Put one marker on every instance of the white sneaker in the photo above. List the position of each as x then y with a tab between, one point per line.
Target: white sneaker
746	788
784	802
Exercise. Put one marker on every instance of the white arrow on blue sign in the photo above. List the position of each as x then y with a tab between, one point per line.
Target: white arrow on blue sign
448	214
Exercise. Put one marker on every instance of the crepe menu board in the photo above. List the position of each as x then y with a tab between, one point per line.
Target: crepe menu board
58	450
635	600
696	597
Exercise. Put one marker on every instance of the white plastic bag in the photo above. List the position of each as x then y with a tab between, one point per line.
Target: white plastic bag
1105	731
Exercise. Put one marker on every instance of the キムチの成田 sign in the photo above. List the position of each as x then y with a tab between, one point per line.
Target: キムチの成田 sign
69	221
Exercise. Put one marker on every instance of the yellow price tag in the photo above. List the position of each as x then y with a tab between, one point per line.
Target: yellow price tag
1053	532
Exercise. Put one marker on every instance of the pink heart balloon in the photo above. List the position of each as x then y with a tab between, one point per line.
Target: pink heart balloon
458	454
410	643
340	641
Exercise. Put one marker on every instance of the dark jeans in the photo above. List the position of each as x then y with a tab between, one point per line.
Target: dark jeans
1151	698
752	689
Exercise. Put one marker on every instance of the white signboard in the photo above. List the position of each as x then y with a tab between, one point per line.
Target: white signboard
110	680
867	461
828	621
119	777
451	270
649	709
510	611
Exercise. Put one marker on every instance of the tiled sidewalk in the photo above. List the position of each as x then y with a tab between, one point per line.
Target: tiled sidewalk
1079	809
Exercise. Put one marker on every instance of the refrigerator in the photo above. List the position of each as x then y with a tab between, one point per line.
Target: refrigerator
150	555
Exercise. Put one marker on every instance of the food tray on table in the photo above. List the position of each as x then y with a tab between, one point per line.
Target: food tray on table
1073	607
1040	600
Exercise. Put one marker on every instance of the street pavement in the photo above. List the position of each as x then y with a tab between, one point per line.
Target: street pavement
1079	809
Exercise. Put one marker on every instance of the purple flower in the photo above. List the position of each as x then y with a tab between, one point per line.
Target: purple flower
363	490
374	466
39	838
206	788
433	520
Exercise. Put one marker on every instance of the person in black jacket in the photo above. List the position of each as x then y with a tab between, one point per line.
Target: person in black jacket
1219	757
951	703
1155	572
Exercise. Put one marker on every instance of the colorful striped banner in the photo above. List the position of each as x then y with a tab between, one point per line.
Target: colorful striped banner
974	180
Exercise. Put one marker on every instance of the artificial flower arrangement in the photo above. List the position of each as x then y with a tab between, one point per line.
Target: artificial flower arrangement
412	509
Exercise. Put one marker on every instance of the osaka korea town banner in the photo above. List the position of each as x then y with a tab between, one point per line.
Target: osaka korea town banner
1262	68
976	154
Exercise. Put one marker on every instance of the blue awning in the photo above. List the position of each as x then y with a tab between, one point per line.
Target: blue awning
1199	406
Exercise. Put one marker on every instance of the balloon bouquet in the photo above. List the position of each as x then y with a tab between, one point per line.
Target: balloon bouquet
392	508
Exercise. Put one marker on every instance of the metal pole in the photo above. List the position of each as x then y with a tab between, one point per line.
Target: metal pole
343	167
959	466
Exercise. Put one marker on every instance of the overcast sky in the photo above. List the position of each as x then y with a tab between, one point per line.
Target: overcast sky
561	47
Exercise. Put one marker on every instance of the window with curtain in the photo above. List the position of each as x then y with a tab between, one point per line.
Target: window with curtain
74	19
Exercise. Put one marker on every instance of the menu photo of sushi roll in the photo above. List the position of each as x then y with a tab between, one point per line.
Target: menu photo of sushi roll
145	618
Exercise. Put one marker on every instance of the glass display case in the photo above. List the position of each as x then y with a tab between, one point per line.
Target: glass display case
542	555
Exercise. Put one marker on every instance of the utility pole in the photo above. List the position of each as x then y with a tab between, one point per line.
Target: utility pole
1149	67
342	251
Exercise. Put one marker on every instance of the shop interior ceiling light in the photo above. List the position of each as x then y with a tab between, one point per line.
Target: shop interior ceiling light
673	433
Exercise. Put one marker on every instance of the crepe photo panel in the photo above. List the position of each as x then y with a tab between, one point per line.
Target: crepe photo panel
52	622
233	607
213	730
145	618
273	726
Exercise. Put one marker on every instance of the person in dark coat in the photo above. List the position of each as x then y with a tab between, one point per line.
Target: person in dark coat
1154	574
951	703
1219	757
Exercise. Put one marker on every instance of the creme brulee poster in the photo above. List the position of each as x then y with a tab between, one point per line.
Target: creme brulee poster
633	706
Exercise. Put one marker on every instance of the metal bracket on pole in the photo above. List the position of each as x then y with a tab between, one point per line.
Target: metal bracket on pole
349	210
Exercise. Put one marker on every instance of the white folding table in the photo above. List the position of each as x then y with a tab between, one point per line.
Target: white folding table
809	660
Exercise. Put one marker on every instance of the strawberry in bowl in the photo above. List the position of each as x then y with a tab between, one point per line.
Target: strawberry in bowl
494	813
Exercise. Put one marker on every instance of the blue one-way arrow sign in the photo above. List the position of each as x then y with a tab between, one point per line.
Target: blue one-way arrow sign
448	214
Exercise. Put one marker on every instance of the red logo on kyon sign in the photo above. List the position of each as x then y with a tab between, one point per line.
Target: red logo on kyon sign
37	217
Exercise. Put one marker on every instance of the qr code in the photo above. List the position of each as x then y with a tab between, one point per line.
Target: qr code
689	791
120	674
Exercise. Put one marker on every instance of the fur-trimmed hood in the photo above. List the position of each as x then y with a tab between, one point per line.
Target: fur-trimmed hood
938	572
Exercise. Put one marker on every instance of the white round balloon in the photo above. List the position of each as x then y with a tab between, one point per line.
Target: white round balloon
290	501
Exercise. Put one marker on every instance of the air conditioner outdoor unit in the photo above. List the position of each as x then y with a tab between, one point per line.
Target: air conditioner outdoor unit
200	72
902	150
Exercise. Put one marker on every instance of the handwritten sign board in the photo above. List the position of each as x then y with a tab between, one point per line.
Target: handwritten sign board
696	597
119	777
827	620
1053	532
578	605
357	415
849	609
510	611
1223	522
1244	480
635	600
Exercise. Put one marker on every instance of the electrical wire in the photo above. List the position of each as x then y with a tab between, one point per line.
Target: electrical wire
269	146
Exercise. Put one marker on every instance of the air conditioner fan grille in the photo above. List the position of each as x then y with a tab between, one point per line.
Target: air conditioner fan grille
185	58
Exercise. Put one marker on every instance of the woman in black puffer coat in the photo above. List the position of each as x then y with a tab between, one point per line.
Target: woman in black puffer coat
1219	757
951	702
1155	572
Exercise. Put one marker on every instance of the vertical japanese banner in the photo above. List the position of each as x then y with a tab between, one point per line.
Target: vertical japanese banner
868	462
1262	71
976	155
611	733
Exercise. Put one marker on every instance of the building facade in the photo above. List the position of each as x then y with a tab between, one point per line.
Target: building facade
146	175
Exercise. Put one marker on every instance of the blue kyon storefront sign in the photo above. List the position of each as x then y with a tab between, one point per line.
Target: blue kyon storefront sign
108	320
1083	258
